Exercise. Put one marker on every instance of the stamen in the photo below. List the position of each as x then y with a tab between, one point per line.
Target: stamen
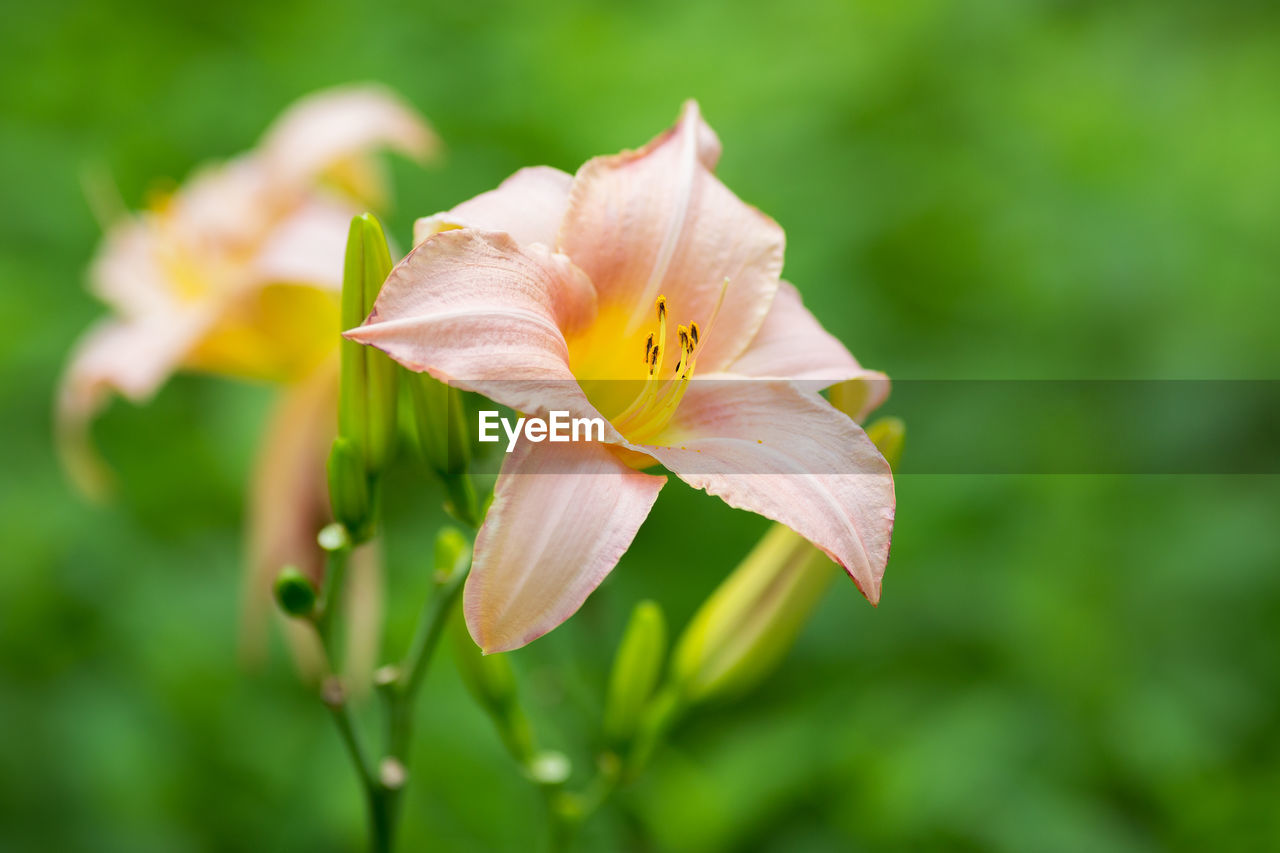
654	406
661	337
685	347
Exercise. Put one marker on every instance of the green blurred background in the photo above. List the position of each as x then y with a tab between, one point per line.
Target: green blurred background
979	189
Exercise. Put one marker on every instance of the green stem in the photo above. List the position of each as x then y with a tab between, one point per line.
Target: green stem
425	639
401	696
342	718
383	815
376	794
562	826
384	782
334	577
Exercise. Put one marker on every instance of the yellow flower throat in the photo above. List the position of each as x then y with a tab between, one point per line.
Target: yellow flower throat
651	408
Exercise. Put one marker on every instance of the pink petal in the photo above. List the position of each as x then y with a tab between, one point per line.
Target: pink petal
657	222
562	517
773	449
322	129
224	208
528	205
289	498
132	358
128	272
307	247
792	344
475	309
288	504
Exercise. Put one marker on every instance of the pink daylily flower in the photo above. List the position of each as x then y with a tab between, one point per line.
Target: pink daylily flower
238	273
638	291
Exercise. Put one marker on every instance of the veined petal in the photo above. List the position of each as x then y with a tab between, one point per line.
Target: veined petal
657	222
792	344
475	309
733	438
562	517
528	205
323	129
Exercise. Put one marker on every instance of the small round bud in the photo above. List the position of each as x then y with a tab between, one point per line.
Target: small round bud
550	768
392	774
294	593
386	676
333	537
451	546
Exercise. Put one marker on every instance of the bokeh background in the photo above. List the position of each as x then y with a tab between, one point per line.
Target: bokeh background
970	190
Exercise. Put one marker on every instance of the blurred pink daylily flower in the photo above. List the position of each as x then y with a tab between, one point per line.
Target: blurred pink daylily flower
553	293
238	272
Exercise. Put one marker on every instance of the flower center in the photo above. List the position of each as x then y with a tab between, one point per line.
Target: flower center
655	404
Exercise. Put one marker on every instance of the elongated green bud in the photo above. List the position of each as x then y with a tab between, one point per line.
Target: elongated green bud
636	670
490	681
660	714
367	404
440	423
294	593
444	442
349	488
488	678
889	435
750	622
859	396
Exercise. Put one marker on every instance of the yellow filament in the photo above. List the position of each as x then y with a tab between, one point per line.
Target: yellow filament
656	403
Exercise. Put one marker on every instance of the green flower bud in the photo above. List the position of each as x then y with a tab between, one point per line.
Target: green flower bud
636	669
490	681
889	435
333	537
450	546
444	442
857	397
367	403
440	424
295	593
750	622
349	487
488	678
549	768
